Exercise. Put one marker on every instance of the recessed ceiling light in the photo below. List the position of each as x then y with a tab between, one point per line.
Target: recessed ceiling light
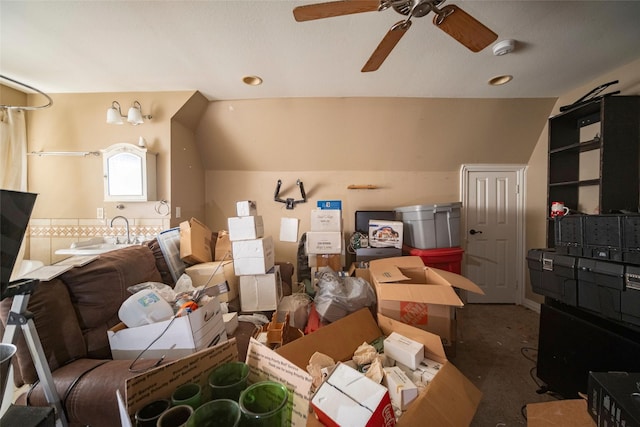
252	80
500	80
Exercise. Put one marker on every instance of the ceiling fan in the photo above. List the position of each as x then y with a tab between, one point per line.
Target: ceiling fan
451	19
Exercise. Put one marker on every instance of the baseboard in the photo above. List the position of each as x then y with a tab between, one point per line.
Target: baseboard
531	305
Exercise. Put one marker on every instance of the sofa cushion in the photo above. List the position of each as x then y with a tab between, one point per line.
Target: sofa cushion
57	327
161	263
99	288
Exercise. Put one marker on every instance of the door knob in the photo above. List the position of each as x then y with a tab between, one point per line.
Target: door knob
472	232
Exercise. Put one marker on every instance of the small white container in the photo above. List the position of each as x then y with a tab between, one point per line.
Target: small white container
144	307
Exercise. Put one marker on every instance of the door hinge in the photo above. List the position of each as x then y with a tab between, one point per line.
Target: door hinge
517	188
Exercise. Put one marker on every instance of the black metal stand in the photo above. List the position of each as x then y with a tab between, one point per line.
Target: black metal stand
20	317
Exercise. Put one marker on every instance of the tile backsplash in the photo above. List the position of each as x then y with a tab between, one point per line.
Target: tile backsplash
46	235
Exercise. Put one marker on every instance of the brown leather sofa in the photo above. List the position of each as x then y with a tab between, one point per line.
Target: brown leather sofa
72	314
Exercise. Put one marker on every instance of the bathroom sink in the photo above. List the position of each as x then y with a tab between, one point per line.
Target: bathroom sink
95	246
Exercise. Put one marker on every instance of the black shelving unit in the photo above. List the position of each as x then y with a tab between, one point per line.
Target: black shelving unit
617	138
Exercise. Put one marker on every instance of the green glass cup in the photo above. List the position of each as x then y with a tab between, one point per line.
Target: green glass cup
216	413
176	416
264	404
148	415
187	394
228	380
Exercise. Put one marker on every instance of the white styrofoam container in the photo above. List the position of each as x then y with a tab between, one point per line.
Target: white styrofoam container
261	292
431	226
261	247
246	208
245	227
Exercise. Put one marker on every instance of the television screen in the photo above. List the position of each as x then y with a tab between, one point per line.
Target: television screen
15	212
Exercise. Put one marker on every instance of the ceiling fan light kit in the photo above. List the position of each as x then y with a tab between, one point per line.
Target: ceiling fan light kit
451	19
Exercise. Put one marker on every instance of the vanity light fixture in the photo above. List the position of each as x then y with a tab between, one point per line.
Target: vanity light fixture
135	116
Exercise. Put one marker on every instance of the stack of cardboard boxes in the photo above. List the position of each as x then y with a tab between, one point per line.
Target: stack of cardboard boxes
254	260
324	244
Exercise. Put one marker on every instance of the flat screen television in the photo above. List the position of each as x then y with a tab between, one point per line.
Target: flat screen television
15	212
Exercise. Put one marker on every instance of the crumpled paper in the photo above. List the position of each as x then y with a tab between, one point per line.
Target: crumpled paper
364	354
319	367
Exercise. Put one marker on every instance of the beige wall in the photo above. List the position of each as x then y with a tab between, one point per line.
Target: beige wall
70	189
536	192
411	148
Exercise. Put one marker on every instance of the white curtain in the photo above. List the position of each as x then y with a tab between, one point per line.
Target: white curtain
13	158
13	150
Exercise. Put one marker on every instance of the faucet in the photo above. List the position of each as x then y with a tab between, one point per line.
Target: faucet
126	221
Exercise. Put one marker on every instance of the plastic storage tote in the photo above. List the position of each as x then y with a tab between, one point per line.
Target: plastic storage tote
431	226
449	259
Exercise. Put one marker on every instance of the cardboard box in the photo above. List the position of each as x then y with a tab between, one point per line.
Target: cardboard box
264	363
260	264
160	382
385	234
450	400
329	204
246	208
255	248
222	249
401	389
324	242
245	227
404	350
333	261
326	220
559	413
348	398
195	242
215	273
176	337
420	296
261	292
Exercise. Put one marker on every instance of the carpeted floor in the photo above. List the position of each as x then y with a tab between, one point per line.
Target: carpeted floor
497	350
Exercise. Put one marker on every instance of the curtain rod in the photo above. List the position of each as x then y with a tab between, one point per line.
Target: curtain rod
27	107
64	153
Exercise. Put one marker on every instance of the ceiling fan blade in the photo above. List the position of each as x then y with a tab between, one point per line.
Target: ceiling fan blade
464	28
385	47
336	8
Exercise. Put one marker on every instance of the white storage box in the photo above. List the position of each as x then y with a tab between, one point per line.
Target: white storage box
404	350
246	208
324	242
254	248
245	227
431	226
254	265
185	335
401	389
261	292
326	220
215	273
348	398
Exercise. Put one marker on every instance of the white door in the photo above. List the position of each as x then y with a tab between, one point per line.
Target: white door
493	231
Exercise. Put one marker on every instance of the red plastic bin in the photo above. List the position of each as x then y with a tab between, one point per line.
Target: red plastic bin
449	259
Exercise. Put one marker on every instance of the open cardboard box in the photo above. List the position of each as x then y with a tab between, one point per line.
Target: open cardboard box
173	338
265	364
449	400
420	296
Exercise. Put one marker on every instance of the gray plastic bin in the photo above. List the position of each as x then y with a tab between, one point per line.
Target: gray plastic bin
431	226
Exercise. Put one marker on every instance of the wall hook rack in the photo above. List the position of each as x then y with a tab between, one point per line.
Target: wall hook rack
290	202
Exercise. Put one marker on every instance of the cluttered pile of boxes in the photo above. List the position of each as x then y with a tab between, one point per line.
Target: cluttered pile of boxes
414	315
